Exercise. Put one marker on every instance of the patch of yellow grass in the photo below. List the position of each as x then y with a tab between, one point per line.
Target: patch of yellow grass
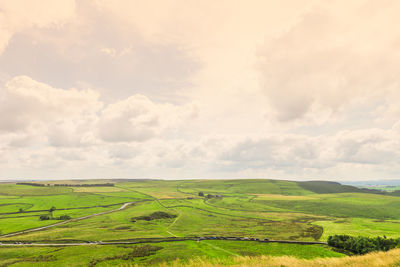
164	193
390	258
99	189
282	197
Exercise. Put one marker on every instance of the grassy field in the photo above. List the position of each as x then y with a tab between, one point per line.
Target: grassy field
390	258
167	251
281	210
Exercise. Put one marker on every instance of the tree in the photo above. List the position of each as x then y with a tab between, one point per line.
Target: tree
21	210
51	210
201	194
362	245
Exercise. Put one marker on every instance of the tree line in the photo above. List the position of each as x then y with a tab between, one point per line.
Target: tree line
31	184
362	245
68	185
85	185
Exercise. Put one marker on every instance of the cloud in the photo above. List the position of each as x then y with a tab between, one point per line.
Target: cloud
100	50
276	152
39	113
372	146
293	154
27	103
333	57
289	89
138	119
18	15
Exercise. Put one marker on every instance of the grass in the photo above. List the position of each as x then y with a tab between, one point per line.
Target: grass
324	187
101	189
360	226
26	190
243	187
391	258
168	251
21	222
359	205
248	208
196	219
74	204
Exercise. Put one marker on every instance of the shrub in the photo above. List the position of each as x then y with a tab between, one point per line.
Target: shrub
362	245
154	216
64	217
44	217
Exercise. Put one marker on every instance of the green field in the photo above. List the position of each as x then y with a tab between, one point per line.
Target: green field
280	210
111	255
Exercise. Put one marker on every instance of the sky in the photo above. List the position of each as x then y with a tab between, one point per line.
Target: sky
181	89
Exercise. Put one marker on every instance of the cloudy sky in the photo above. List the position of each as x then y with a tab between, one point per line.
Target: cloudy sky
200	89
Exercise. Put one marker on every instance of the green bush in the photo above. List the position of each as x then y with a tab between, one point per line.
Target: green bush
154	216
47	217
44	217
362	245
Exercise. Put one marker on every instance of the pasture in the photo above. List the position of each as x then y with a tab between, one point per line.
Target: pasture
280	210
185	250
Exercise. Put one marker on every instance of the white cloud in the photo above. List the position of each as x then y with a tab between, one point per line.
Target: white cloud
288	89
138	119
26	103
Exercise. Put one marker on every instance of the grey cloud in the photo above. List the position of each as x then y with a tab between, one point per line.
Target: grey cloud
289	153
123	152
70	135
366	147
286	152
119	130
322	64
108	56
25	140
16	16
72	155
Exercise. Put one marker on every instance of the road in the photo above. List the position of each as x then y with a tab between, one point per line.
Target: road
89	243
67	221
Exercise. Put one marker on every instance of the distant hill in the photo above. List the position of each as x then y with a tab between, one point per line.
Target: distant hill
326	187
373	182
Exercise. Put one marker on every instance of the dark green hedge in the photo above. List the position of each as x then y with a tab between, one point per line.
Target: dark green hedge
362	245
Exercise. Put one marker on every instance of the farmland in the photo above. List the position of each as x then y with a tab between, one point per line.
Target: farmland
189	209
